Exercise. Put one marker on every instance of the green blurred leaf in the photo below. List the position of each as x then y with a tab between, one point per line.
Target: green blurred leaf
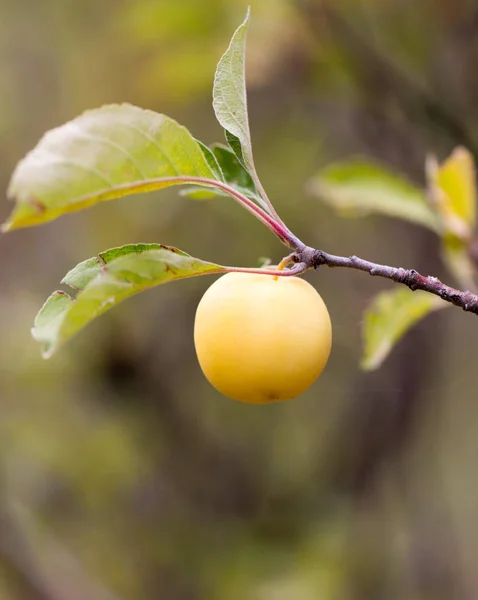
456	256
389	317
200	193
104	281
452	189
363	187
103	154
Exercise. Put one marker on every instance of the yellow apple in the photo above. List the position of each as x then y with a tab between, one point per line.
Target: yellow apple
261	339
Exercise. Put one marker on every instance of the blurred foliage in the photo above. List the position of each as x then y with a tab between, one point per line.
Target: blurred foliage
389	318
359	187
117	452
448	207
452	190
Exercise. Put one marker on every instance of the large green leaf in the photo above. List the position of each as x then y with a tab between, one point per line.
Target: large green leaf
104	281
103	154
388	319
360	187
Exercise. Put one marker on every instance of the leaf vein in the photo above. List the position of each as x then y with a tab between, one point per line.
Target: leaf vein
56	158
107	142
155	142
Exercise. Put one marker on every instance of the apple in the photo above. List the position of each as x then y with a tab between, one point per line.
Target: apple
261	338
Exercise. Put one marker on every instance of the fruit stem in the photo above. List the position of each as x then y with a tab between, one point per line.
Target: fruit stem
298	269
284	262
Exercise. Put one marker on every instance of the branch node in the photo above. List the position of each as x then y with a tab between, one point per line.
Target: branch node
409	277
315	259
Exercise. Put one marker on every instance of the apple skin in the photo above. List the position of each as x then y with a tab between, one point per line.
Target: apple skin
261	339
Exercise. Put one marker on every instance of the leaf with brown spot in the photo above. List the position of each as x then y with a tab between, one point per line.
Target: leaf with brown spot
103	154
121	273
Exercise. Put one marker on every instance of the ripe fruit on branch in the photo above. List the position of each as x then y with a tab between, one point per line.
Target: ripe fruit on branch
261	339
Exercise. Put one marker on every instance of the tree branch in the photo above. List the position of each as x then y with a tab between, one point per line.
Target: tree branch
313	259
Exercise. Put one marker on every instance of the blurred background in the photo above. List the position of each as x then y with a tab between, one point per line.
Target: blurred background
123	474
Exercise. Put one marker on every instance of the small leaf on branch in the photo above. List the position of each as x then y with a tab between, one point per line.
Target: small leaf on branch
104	281
101	155
389	317
231	171
360	187
235	145
234	172
212	161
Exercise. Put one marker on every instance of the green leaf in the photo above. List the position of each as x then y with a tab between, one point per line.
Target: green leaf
103	154
230	104
388	319
104	281
360	187
212	161
229	92
235	146
233	173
